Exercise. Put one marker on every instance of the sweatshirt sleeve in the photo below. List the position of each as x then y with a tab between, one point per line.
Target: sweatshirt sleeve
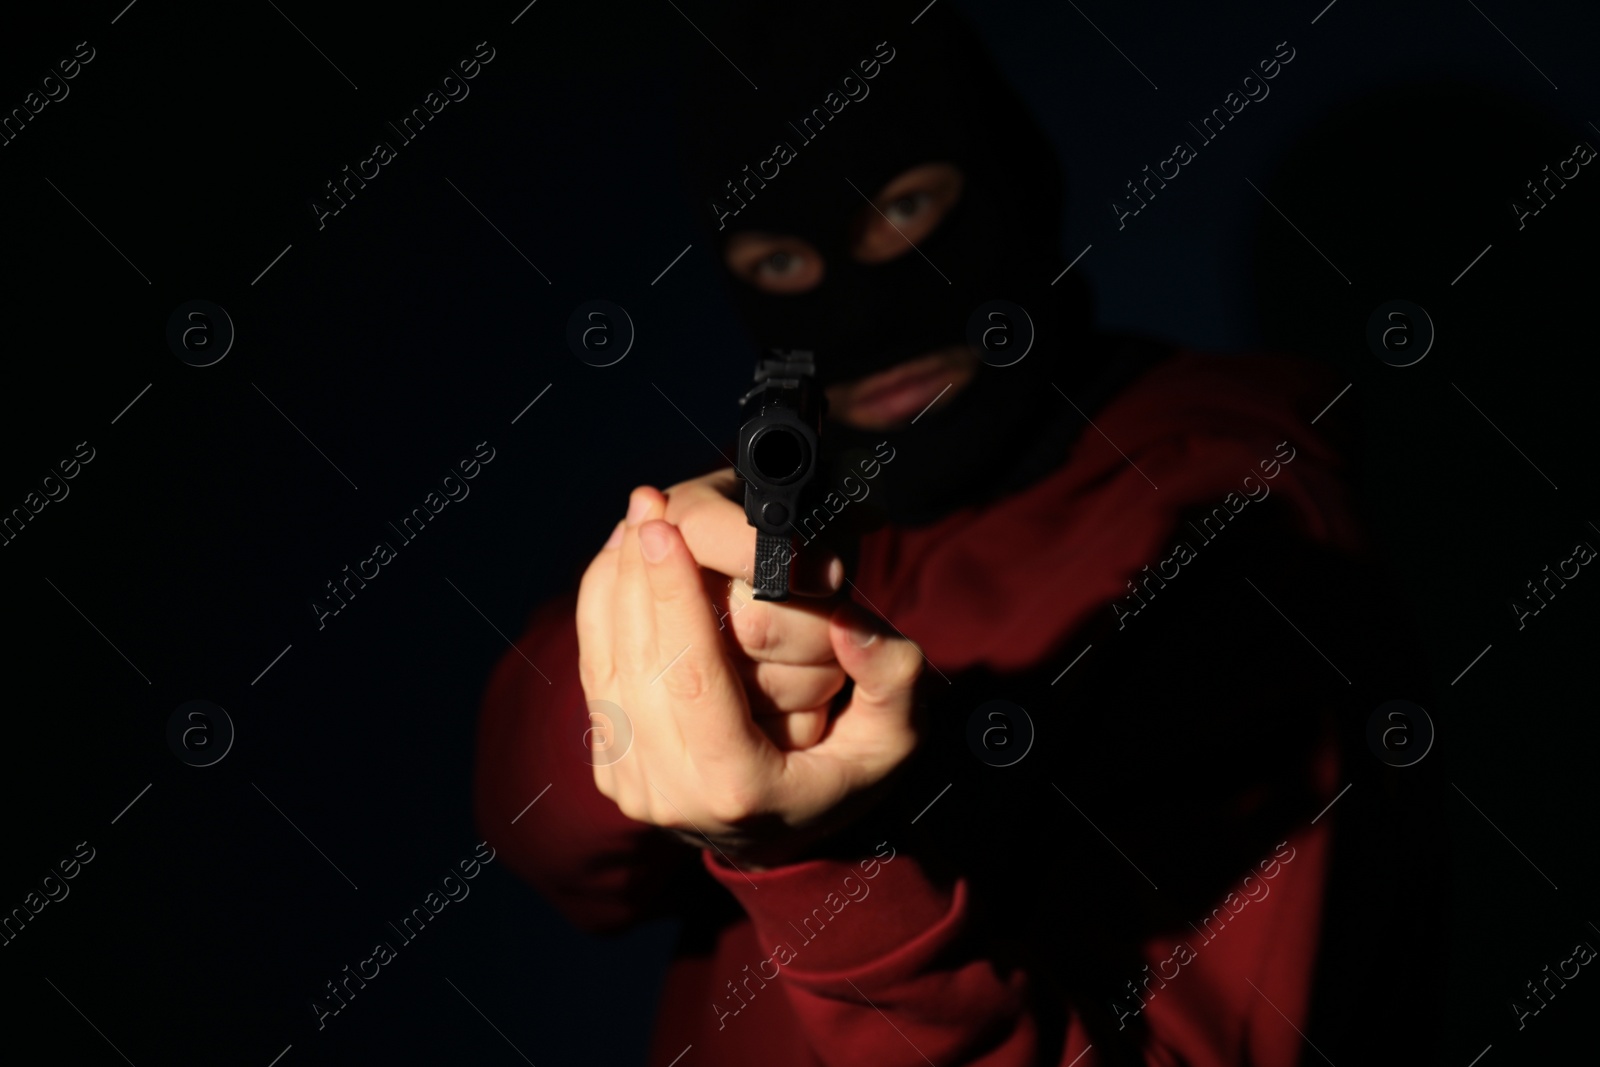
882	962
535	799
862	944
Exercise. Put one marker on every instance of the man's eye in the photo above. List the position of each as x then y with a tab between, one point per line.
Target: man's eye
779	264
905	208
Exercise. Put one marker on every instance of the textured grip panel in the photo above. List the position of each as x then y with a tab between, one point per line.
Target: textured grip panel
773	555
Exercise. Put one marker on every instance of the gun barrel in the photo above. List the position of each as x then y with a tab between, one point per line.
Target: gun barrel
779	444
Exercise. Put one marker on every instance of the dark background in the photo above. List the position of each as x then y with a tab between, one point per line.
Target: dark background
408	330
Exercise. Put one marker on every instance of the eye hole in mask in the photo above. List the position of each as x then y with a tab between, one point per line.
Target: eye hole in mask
905	212
774	263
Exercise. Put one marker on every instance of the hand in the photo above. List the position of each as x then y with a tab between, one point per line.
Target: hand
710	513
648	642
785	659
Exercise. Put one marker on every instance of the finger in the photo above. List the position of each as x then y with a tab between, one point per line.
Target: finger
794	631
726	600
594	614
709	701
796	730
724	483
630	599
874	733
884	665
722	486
782	688
721	538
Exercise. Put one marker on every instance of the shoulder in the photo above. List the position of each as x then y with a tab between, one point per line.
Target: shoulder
1233	438
1199	430
1241	394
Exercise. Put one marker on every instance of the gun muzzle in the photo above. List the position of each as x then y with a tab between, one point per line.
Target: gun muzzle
779	445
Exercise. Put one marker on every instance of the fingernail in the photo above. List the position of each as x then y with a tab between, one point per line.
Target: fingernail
835	575
637	506
860	636
653	543
616	535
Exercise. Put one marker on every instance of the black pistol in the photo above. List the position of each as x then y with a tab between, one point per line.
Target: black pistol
779	445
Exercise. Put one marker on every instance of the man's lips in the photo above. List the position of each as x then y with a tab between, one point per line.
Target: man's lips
899	392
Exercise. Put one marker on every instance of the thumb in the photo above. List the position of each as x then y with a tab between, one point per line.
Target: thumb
884	666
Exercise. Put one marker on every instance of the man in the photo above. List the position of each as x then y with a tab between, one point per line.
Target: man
865	871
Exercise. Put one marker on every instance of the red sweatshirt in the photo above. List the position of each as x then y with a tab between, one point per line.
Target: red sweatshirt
897	954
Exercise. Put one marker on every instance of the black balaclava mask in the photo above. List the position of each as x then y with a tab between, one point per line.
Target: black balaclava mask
848	99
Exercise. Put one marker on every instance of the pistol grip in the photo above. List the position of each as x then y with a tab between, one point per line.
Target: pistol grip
773	556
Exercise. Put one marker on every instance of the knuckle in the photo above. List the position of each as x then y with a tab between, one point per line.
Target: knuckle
911	664
798	688
686	680
832	684
693	521
633	806
593	674
687	496
752	625
734	803
679	502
